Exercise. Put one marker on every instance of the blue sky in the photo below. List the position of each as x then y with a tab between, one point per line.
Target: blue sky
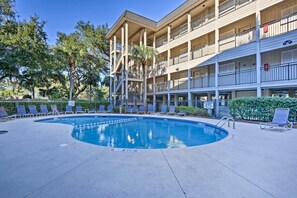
62	15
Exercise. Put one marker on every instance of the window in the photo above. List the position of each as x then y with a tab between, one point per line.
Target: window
289	56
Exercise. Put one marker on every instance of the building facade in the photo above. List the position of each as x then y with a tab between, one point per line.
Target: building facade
207	50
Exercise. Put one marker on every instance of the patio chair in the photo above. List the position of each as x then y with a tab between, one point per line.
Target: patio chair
280	120
163	109
171	110
93	110
109	109
44	110
78	109
68	109
181	113
150	109
128	109
101	109
134	109
141	109
33	110
4	115
54	110
21	111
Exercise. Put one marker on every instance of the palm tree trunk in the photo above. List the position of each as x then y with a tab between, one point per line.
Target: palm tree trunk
71	77
144	85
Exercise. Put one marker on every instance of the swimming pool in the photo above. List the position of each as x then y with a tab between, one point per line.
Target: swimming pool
140	132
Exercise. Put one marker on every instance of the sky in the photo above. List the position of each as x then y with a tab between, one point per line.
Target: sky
62	15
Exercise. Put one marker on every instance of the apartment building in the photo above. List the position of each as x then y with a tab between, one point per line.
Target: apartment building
211	49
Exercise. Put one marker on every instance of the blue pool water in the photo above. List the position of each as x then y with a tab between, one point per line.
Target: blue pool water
140	133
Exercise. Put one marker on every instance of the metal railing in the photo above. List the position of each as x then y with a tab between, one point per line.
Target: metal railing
179	31
135	74
248	76
280	72
161	41
161	87
178	84
229	5
203	81
179	59
203	19
280	26
203	51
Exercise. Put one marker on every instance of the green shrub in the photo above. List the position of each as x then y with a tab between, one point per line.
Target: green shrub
192	111
10	106
261	108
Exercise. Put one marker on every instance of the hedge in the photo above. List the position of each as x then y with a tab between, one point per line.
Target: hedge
10	106
192	111
261	108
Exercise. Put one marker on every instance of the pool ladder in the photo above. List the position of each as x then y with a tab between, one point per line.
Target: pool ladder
224	120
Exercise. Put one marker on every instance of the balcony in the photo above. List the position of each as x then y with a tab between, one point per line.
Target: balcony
161	87
150	88
135	74
203	51
248	76
203	19
161	41
179	59
178	84
180	31
203	81
238	39
282	72
279	27
230	5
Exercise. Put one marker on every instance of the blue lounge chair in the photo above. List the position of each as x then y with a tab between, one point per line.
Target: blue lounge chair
171	110
109	109
150	109
44	110
280	119
134	109
93	110
101	109
128	109
33	110
163	109
78	109
68	109
4	115
21	111
141	109
54	110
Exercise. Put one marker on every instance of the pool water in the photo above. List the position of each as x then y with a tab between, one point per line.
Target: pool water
141	132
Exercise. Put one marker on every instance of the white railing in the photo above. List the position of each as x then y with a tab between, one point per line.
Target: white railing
231	5
179	59
248	76
203	51
203	19
161	41
178	32
161	86
280	26
203	81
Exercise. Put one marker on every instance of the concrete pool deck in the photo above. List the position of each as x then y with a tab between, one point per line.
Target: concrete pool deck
43	160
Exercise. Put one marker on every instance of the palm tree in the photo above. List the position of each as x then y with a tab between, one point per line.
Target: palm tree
142	54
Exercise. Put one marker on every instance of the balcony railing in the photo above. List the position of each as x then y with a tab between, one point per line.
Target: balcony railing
135	74
161	41
178	84
180	31
161	87
203	81
203	19
282	72
229	5
238	39
203	51
280	26
179	59
248	76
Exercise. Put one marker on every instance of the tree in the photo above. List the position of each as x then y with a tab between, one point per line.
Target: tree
142	54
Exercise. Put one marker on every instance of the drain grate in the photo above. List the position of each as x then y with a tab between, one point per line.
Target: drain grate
3	131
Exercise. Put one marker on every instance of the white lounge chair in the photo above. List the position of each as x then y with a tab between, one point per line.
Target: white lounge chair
280	120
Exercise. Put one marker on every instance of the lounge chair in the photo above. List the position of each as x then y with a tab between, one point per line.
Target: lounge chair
21	111
78	109
150	109
4	115
54	110
93	110
280	119
181	113
128	109
109	109
171	110
141	109
163	109
33	110
44	110
68	109
134	109
101	109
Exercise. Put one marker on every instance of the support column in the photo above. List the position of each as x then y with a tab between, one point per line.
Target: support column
258	50
190	102
122	62
168	40
115	65
175	100
168	89
145	71
126	61
110	70
154	73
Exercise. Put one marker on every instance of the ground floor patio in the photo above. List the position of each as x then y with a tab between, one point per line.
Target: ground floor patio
43	160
